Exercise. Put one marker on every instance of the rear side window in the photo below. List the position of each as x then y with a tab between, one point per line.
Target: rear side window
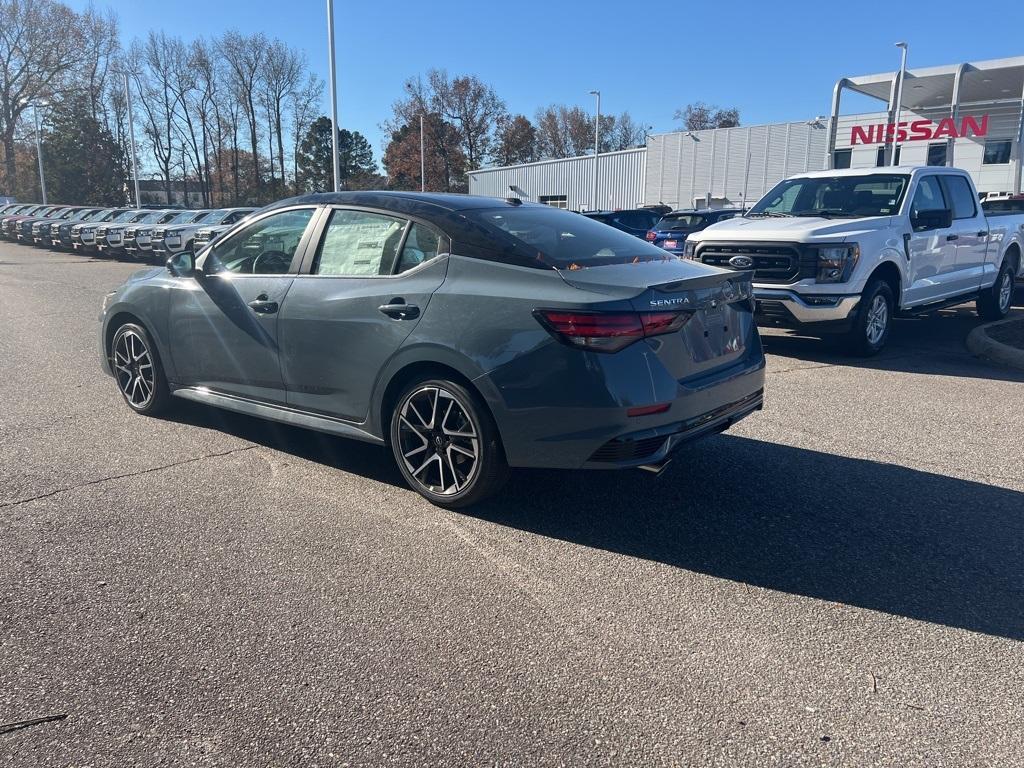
928	196
421	245
359	244
959	193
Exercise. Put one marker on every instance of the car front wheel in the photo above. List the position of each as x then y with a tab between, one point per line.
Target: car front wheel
137	370
446	443
994	303
873	320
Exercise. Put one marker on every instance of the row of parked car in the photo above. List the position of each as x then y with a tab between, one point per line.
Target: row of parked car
136	233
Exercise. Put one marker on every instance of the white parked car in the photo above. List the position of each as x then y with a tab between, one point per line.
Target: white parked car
847	250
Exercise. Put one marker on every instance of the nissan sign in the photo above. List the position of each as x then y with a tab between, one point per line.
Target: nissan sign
919	130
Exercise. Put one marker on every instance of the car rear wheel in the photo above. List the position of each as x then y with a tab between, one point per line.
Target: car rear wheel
994	303
446	444
873	320
137	370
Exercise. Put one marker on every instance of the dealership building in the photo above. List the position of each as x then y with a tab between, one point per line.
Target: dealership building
968	115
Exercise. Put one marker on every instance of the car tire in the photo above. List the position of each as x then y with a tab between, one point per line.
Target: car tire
138	371
872	321
446	443
994	303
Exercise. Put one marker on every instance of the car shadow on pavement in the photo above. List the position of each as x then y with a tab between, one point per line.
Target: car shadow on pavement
863	533
853	531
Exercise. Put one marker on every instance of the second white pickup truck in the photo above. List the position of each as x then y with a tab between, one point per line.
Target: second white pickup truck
847	250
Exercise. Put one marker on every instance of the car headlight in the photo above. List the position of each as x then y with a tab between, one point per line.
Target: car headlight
108	300
836	262
689	249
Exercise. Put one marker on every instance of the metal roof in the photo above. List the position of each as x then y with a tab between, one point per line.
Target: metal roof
981	81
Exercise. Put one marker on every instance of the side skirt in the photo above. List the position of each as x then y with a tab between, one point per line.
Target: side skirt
279	413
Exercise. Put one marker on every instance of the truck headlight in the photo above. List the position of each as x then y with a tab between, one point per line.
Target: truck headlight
836	262
689	249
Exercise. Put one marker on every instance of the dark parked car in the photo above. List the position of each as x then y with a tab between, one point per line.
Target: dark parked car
671	231
467	333
42	229
636	221
60	234
9	224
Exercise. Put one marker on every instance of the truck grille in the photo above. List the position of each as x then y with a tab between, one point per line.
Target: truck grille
772	263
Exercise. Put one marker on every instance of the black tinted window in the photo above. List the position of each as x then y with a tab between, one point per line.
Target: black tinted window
997	152
564	240
960	196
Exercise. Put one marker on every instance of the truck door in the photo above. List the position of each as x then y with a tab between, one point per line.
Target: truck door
932	251
970	227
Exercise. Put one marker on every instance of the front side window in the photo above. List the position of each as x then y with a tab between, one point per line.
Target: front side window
265	247
928	197
359	244
997	152
958	191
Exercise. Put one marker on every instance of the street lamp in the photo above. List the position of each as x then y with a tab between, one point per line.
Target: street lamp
39	146
334	96
899	102
131	139
597	143
423	160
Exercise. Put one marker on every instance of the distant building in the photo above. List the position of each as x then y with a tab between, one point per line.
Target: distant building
154	192
969	115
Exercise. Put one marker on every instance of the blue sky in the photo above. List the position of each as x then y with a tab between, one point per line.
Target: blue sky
774	61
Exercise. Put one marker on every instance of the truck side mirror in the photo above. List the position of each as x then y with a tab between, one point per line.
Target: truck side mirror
937	219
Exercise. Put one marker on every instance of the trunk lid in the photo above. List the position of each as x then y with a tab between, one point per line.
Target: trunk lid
720	328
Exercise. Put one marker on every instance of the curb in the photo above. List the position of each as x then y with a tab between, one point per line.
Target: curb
982	345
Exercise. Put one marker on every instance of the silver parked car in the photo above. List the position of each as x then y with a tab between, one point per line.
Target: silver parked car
469	334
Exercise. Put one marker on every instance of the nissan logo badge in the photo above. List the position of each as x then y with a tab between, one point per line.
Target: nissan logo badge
741	262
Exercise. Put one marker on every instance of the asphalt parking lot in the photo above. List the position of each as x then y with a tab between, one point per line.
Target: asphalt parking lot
838	580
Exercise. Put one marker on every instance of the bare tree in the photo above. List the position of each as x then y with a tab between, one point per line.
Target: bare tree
626	133
303	104
244	58
701	117
151	71
566	131
282	70
43	48
471	106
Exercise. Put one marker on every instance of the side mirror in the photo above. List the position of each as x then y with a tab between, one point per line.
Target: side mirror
182	264
924	220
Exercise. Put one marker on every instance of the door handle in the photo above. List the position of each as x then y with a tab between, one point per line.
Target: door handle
951	238
399	310
983	234
262	305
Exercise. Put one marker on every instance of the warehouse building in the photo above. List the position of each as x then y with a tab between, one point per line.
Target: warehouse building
969	115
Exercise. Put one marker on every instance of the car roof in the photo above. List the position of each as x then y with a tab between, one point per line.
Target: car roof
883	170
705	210
403	202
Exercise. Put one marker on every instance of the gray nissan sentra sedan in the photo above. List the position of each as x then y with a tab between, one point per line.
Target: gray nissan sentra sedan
469	334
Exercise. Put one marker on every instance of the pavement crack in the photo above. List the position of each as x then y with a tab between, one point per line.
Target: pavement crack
122	476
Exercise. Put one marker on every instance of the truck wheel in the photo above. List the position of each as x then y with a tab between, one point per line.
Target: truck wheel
873	320
994	303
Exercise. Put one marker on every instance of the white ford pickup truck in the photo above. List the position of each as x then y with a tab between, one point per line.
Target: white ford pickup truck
845	251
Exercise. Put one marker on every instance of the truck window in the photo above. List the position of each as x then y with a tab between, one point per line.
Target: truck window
928	197
959	193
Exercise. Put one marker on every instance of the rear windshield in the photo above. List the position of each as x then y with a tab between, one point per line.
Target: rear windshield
834	196
682	221
565	240
1003	206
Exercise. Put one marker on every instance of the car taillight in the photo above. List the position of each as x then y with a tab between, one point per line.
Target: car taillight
608	331
651	236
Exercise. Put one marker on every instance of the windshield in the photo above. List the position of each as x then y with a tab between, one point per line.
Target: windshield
216	217
126	216
682	221
200	216
834	197
98	215
565	240
151	217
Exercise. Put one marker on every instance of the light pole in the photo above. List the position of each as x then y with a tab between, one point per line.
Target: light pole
334	96
39	151
423	160
597	144
899	101
131	139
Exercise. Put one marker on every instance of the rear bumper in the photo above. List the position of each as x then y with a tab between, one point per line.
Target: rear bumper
564	415
788	309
